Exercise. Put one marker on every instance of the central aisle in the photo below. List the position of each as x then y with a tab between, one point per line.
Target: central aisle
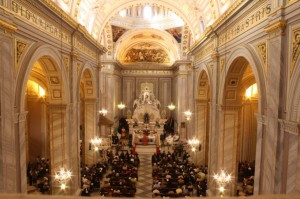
144	184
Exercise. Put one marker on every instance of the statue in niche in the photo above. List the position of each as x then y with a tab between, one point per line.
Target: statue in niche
146	118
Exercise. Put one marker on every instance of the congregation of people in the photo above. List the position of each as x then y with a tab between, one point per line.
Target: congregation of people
175	176
245	183
121	181
38	174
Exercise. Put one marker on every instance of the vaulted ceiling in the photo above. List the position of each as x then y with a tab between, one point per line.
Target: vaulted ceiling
111	22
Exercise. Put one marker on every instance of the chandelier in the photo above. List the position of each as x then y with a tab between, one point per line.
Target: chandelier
62	177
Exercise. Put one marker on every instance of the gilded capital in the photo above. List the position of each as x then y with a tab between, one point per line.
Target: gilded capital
8	26
277	28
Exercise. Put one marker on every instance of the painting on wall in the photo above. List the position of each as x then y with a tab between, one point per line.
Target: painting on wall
176	32
117	32
146	52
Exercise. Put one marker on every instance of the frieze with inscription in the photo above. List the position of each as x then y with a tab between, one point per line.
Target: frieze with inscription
83	48
147	72
39	22
245	24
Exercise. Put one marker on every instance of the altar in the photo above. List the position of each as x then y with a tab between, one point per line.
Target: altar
146	124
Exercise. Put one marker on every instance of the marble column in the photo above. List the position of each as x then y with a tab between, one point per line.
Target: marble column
182	101
215	113
74	124
90	129
228	142
201	130
10	166
271	166
59	142
290	161
260	141
20	126
112	86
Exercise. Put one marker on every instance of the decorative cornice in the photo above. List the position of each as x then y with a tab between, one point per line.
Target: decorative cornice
278	26
69	20
8	26
74	56
214	56
233	8
289	127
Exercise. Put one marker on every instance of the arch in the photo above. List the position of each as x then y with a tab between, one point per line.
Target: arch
121	5
48	55
248	55
202	112
203	67
89	82
122	44
293	105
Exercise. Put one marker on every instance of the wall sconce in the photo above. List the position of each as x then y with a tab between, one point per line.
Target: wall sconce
121	106
222	179
63	176
194	143
171	107
103	112
96	142
188	115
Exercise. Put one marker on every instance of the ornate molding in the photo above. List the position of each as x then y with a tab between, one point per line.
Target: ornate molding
262	49
147	72
289	127
295	48
8	26
21	47
276	29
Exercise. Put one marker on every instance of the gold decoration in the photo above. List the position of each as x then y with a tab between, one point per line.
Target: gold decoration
21	46
222	64
276	29
7	26
295	49
66	63
262	49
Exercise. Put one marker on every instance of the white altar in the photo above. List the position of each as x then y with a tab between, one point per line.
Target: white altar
146	124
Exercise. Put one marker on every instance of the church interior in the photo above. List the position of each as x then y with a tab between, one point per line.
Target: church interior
150	98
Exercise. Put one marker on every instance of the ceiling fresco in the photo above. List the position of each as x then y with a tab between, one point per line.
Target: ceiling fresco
176	33
117	32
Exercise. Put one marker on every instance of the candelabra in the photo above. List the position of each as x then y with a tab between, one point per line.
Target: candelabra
222	179
62	177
